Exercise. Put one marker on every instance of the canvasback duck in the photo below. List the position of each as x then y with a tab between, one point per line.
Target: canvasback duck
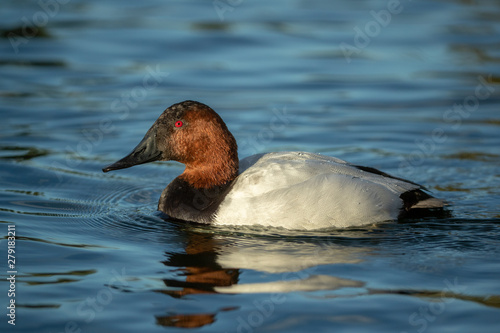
293	190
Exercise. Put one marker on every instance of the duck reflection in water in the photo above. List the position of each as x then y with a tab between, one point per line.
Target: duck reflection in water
213	264
218	264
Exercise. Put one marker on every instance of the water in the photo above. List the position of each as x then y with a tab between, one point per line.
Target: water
412	89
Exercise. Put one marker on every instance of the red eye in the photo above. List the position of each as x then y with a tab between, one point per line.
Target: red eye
179	123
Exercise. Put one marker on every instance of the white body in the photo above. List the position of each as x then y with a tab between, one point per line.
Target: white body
298	190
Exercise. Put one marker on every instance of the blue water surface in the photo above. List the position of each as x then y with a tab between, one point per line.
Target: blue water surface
409	87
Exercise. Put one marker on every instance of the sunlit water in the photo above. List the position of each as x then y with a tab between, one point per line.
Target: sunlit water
409	88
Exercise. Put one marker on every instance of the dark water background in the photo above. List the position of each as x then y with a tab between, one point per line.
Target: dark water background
410	87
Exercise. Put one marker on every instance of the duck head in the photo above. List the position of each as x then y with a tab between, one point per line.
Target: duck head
193	134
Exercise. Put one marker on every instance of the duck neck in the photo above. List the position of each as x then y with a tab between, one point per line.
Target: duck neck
216	168
206	177
196	194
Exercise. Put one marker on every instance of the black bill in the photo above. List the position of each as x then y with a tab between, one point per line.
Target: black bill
146	151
